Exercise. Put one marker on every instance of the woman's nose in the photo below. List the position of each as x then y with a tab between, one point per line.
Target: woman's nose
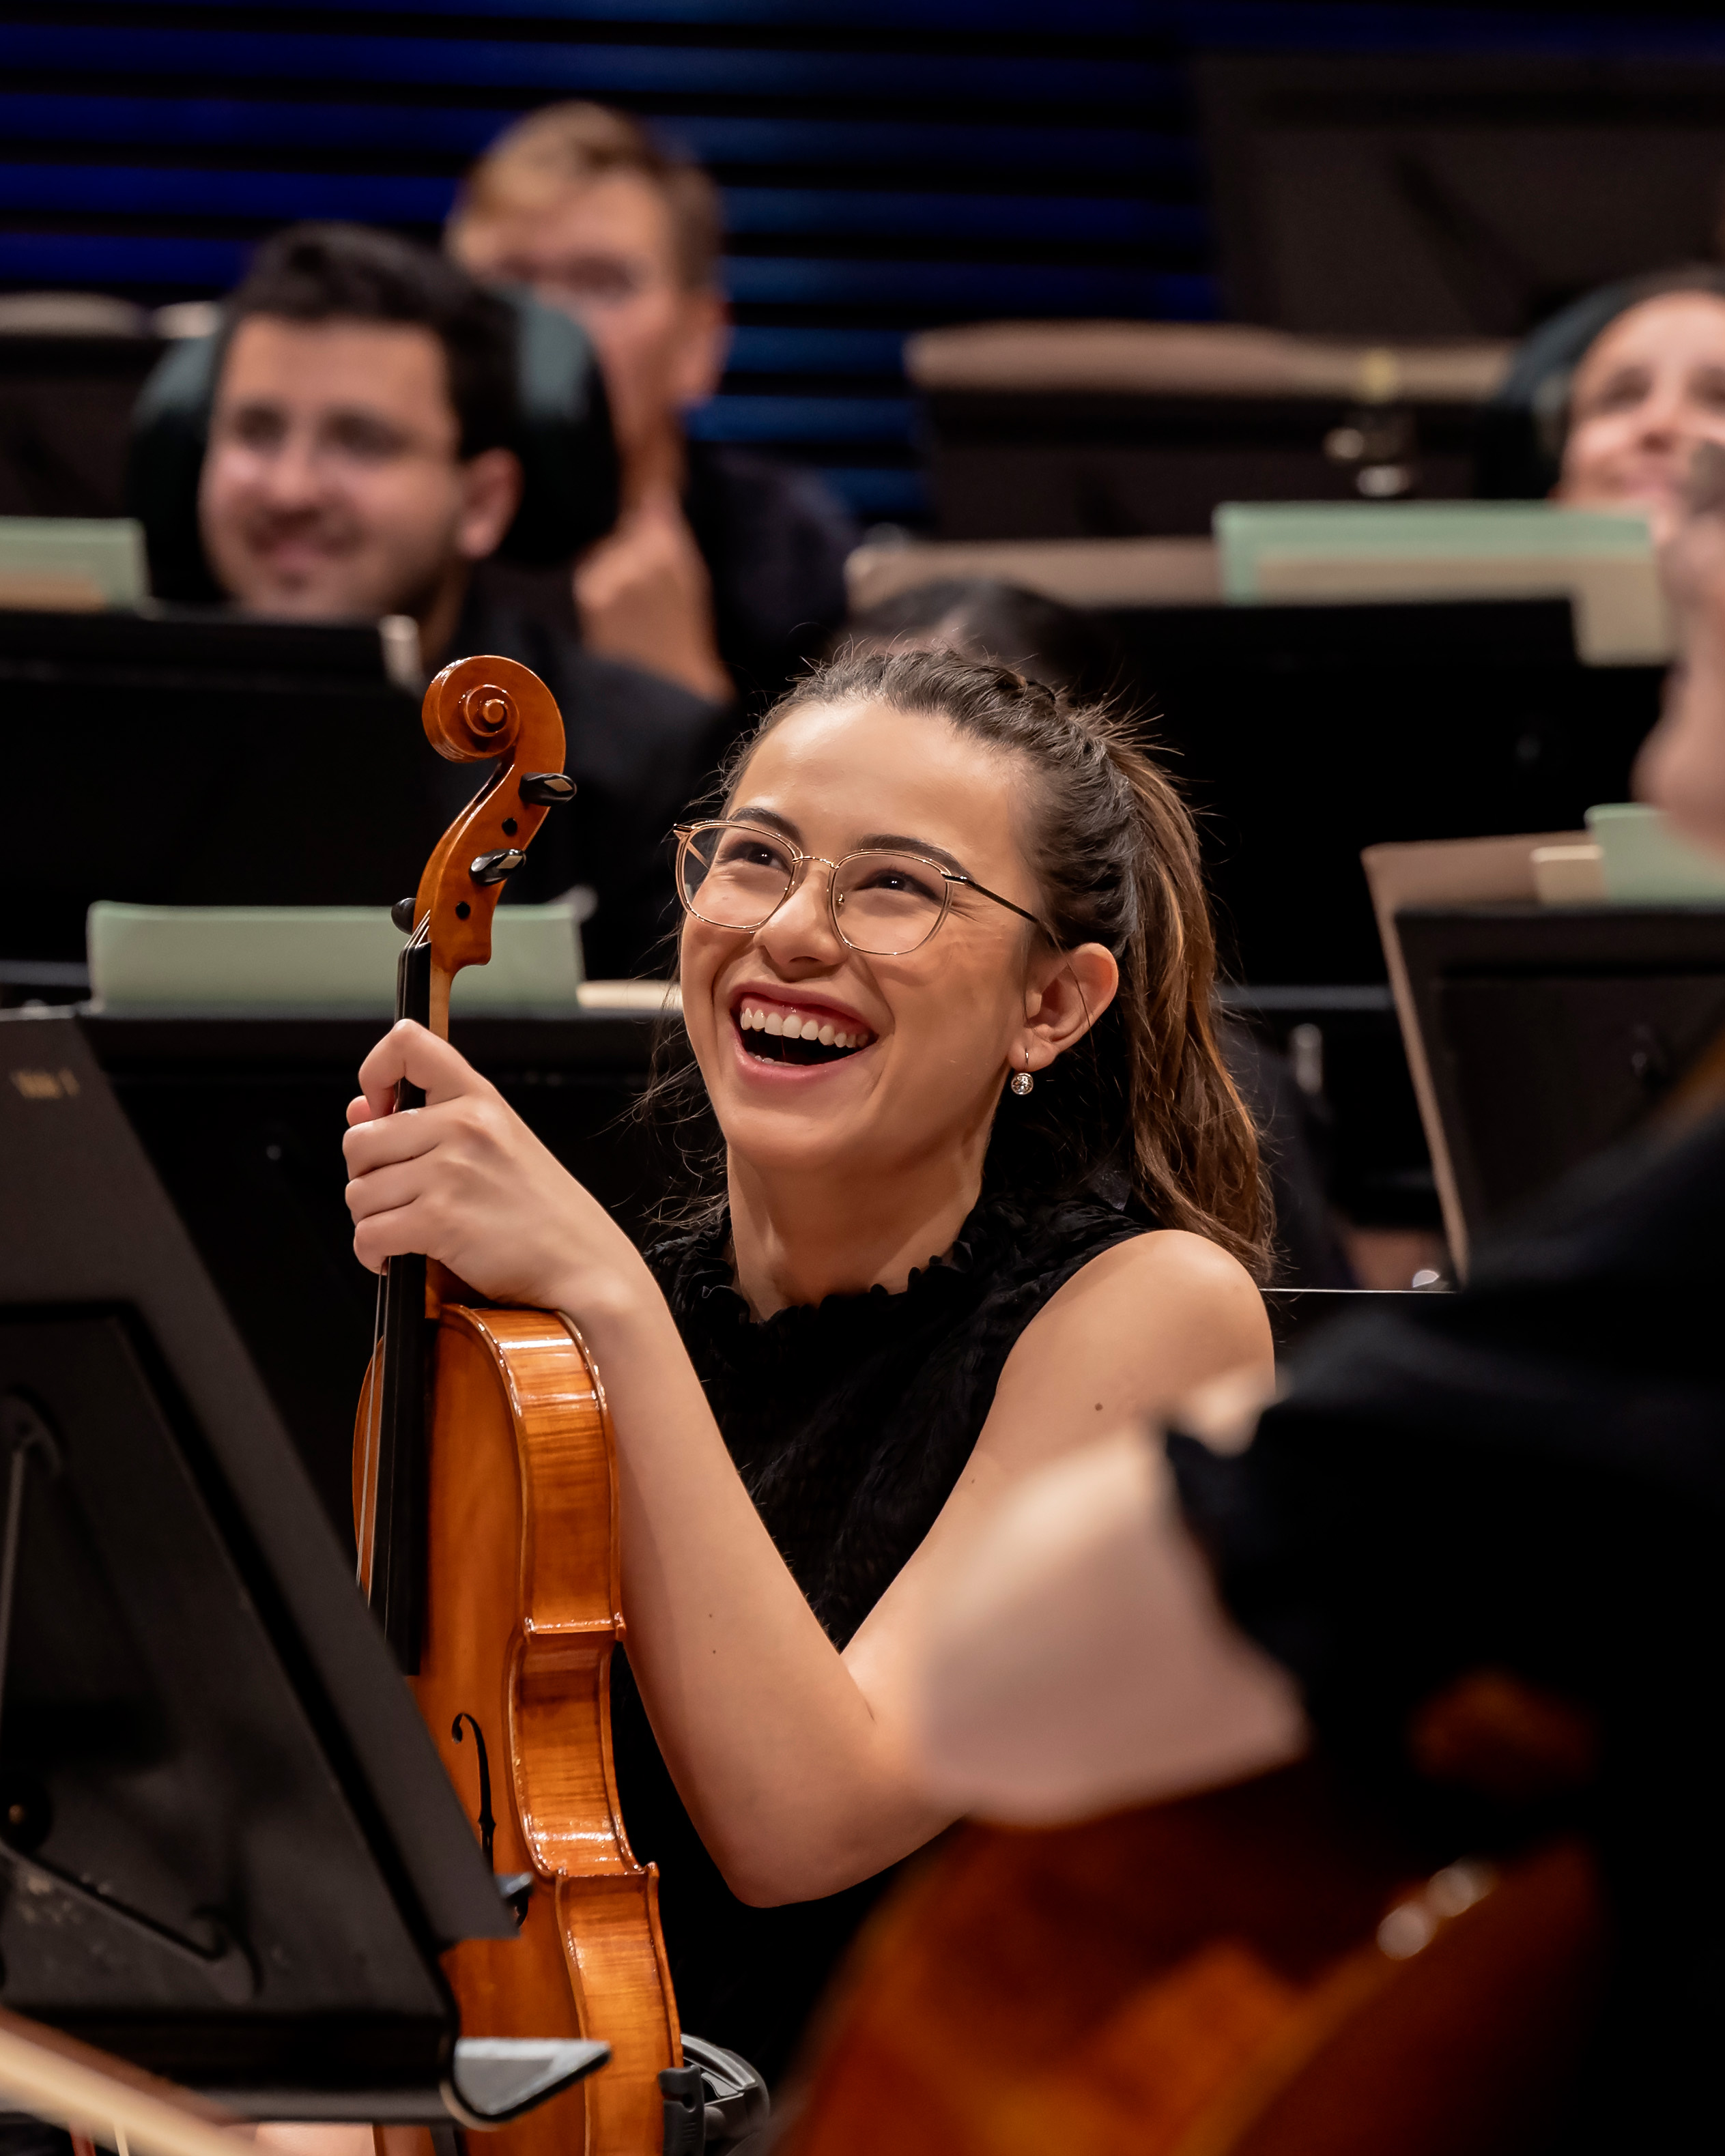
1664	412
803	927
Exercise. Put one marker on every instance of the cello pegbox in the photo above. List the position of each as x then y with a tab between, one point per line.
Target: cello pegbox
483	710
546	789
493	867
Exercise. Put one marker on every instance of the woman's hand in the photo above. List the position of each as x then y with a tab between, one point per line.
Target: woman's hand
464	1181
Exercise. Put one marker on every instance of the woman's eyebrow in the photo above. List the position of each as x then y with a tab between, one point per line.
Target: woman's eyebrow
1630	374
895	842
891	842
770	818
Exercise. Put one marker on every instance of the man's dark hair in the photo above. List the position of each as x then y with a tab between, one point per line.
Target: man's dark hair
324	273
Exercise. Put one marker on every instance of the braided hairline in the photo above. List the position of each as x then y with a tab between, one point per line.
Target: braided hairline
1000	707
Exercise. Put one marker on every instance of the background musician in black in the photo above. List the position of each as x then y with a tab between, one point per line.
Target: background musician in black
725	572
360	463
1482	1537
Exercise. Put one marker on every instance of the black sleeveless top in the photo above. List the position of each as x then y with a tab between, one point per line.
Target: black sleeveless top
851	1423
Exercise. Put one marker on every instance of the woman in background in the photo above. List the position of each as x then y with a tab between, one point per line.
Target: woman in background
1606	404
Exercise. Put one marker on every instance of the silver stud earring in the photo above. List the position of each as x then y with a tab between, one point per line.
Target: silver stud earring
1022	1081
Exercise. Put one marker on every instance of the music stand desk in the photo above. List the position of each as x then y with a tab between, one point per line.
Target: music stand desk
1551	1033
229	1852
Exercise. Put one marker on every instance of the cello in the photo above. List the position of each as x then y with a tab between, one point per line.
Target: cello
486	1515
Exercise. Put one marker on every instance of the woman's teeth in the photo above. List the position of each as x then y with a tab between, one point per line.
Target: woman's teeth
814	1033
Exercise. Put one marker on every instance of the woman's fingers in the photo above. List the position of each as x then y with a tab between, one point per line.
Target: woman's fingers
384	1189
408	1050
382	1139
464	1180
399	1231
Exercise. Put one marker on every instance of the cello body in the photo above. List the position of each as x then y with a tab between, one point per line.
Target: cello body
486	1516
1262	1970
513	1686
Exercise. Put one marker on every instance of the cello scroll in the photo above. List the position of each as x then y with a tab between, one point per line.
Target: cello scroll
477	710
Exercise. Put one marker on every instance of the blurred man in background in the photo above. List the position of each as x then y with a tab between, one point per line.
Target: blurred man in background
359	465
726	571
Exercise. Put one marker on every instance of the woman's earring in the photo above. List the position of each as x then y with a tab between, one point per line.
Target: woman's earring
1022	1081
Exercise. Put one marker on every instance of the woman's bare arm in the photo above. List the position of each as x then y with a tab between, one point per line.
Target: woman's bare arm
792	1759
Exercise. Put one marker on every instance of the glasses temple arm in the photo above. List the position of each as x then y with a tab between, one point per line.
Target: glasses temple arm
983	890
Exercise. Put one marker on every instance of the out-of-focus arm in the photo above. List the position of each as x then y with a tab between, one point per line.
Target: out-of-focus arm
1079	1658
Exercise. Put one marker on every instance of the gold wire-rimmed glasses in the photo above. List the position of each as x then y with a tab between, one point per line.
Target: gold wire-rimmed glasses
883	903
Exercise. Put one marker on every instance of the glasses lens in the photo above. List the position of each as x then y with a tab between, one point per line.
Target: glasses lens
888	903
734	875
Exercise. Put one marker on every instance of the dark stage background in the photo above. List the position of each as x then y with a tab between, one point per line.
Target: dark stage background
888	165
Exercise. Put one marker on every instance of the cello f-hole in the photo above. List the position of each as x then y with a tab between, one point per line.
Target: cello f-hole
487	1818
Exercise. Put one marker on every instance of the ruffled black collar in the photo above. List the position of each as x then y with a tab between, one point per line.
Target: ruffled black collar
695	1272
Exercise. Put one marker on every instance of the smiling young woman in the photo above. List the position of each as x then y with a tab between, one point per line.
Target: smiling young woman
984	1190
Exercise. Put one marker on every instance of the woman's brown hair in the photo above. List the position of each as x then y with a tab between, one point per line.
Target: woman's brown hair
1145	1100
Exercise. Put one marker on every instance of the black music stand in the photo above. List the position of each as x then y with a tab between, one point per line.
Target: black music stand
1552	1032
227	1850
215	759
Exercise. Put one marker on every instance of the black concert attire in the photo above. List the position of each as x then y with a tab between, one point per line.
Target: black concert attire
774	541
640	750
851	1423
1530	1476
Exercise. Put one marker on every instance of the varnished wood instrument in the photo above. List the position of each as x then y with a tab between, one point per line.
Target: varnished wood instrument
1259	1971
485	1508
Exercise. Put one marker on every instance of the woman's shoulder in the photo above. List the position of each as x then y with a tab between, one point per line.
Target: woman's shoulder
1161	1284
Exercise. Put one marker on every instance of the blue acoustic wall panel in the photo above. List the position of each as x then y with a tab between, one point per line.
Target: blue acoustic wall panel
886	165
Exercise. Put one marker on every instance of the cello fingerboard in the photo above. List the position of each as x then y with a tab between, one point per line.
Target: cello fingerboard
398	1549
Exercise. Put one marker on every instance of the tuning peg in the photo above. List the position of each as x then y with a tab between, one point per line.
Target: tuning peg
401	913
492	868
544	789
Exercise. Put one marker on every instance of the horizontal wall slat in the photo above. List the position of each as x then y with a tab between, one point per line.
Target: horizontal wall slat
573	69
380	198
735	419
1342	25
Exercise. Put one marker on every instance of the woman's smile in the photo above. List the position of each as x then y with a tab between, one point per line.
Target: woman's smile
784	1033
784	1025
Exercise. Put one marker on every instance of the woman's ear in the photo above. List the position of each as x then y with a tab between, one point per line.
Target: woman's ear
1069	991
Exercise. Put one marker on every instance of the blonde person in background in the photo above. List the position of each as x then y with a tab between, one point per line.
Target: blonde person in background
726	570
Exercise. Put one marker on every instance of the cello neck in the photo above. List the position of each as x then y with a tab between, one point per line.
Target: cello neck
478	710
392	1568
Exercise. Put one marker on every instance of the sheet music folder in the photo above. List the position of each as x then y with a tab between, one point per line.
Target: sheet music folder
216	759
228	1853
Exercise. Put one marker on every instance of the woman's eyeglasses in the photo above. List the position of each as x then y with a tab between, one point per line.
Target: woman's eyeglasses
883	904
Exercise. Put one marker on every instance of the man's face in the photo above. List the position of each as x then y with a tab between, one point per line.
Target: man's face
332	484
606	254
